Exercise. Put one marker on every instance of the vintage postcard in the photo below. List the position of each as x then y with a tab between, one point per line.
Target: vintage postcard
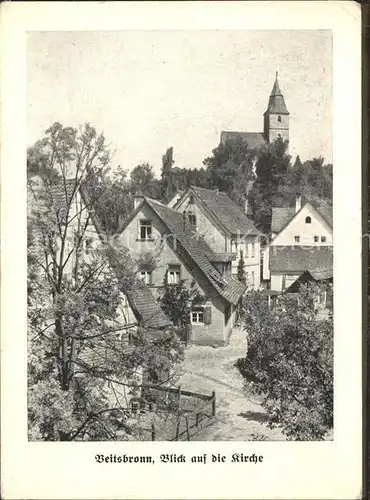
181	219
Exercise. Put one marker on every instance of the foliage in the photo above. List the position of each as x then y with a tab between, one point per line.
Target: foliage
177	300
230	169
289	362
77	333
278	182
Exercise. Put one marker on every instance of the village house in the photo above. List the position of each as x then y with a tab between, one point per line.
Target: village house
225	227
301	243
168	251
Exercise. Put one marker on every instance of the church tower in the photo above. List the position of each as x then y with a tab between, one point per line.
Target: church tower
276	117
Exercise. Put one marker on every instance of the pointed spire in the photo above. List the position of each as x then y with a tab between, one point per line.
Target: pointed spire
276	102
276	89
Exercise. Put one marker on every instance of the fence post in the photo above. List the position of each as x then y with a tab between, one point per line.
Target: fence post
187	427
213	403
153	432
179	397
178	429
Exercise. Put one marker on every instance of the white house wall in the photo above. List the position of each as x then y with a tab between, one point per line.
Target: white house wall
306	232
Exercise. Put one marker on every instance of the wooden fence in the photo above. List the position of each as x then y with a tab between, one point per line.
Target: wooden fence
189	414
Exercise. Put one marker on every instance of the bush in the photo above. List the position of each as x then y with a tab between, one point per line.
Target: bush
289	363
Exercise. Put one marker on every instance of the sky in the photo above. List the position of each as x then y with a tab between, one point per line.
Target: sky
149	90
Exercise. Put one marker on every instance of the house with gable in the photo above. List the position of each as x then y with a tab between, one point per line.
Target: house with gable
182	255
225	227
301	243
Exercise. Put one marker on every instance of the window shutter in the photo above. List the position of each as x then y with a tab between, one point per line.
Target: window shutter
208	315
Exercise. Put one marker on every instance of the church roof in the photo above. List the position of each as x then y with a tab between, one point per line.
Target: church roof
254	140
276	101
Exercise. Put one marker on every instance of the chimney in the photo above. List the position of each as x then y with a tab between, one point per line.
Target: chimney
298	203
138	198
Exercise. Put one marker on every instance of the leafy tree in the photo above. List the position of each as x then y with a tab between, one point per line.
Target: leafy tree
142	178
272	166
167	164
289	362
79	344
230	168
177	300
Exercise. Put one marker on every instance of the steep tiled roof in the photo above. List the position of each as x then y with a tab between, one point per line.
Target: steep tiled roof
276	101
197	248
221	257
146	308
322	274
300	259
307	276
255	140
325	210
280	218
226	211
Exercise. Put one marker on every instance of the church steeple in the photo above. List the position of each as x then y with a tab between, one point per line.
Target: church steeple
276	117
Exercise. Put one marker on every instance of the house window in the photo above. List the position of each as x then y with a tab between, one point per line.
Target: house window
253	250
173	275
241	253
296	239
146	276
145	230
247	250
246	277
197	316
192	220
253	282
279	119
308	220
234	246
323	239
316	239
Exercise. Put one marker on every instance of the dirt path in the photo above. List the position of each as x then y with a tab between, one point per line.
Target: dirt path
238	418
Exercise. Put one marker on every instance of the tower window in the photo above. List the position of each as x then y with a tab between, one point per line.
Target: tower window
308	220
279	119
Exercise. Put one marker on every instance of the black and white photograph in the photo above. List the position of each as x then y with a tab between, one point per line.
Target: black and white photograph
181	250
180	236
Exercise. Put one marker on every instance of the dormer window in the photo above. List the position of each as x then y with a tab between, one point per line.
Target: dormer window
145	231
308	220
